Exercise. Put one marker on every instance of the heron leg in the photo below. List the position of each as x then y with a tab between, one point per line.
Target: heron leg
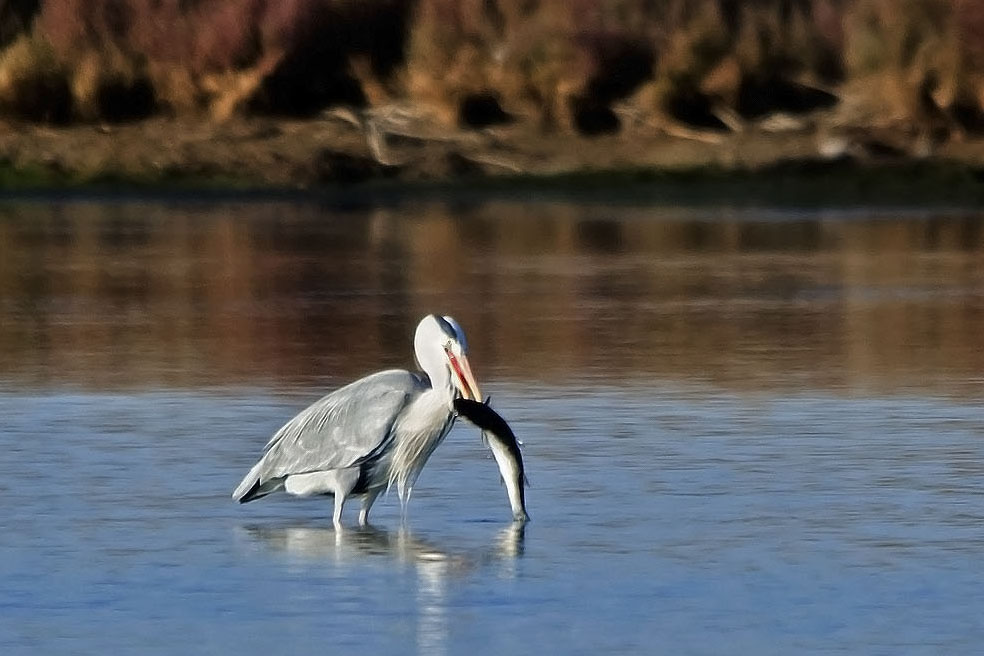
336	517
367	502
344	482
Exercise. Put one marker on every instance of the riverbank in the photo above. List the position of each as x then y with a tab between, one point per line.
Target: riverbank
345	154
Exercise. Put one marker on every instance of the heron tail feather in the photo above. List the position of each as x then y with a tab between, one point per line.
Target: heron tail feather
252	487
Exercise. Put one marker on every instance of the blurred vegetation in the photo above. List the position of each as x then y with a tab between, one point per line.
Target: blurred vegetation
583	66
123	294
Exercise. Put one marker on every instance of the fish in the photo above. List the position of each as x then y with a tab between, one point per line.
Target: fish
505	448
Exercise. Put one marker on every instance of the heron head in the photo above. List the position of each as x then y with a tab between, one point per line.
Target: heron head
442	352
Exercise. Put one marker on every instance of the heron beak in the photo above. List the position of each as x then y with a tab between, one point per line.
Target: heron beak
466	380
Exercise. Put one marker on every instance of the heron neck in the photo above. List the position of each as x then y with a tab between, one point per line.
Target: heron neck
421	428
434	364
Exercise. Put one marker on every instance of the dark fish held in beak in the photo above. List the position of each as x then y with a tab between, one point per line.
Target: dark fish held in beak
505	448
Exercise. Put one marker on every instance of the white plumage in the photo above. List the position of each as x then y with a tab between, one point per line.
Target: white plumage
376	432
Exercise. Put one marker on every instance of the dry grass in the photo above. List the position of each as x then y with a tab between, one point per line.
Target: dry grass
564	64
33	82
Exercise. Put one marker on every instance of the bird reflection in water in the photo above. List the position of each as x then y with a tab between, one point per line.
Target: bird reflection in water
434	566
319	542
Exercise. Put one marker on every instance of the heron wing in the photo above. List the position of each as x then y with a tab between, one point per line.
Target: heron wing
342	428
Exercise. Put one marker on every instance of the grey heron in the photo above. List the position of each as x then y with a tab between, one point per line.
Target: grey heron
376	432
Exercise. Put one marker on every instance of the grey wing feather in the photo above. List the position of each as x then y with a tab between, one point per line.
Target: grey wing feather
340	429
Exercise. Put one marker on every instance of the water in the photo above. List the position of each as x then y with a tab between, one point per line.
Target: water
749	431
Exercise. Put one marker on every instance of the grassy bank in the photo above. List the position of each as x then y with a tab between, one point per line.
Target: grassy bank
38	178
806	184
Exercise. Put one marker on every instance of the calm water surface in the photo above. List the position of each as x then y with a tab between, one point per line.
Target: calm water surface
747	431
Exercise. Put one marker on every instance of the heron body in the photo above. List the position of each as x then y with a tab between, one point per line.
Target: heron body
371	434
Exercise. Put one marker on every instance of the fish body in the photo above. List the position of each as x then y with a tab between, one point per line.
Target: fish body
505	449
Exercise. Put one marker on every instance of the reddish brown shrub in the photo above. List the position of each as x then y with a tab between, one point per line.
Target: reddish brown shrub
564	63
